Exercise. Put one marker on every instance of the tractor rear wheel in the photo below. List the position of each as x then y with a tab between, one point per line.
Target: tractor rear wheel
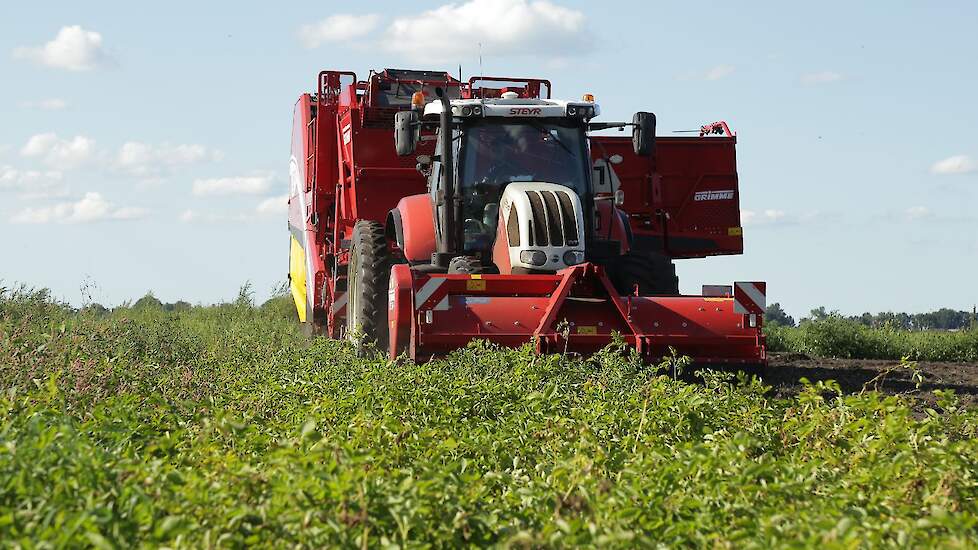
368	275
654	273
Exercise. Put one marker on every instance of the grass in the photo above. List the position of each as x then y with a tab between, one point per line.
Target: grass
221	427
835	336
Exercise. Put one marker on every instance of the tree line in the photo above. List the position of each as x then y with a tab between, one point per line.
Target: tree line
941	319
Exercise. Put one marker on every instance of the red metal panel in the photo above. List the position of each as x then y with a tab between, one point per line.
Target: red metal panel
578	309
675	184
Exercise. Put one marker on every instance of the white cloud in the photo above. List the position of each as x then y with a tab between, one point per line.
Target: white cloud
142	159
823	77
51	104
337	28
720	71
90	208
766	217
274	206
61	152
32	184
74	49
238	185
502	27
916	213
958	164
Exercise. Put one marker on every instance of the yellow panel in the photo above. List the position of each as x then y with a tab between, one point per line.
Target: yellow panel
475	284
587	330
735	231
297	277
476	276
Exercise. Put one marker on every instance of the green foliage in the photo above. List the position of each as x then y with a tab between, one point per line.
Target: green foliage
835	336
775	315
148	302
222	427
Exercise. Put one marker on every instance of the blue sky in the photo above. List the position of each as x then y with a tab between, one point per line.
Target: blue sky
145	146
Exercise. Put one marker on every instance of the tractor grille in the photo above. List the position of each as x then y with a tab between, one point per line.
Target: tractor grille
553	221
513	229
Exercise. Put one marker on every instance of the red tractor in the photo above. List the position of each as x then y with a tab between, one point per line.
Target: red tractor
426	212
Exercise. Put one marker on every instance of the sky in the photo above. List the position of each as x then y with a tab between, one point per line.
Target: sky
145	146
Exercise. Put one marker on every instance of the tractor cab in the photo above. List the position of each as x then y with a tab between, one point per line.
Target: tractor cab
499	141
513	189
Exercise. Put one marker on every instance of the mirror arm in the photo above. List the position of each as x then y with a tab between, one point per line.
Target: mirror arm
606	125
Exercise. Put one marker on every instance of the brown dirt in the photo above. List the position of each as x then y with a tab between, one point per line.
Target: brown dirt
785	371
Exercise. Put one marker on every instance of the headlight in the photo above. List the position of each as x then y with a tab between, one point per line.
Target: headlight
572	110
477	110
466	111
573	257
533	257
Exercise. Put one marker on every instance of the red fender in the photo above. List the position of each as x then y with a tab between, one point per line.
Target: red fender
412	224
612	224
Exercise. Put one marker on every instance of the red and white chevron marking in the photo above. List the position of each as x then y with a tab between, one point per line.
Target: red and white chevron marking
750	297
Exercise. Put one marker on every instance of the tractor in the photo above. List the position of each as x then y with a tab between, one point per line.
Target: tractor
426	212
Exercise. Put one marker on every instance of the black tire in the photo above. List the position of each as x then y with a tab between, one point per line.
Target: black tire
368	276
655	274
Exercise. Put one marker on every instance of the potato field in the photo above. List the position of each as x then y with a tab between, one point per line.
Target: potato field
221	427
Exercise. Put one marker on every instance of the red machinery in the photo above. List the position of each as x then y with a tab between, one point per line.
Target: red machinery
524	228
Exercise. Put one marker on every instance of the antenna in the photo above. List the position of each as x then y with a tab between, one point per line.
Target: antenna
481	73
459	72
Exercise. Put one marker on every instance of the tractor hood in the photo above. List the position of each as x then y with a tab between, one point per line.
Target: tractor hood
540	228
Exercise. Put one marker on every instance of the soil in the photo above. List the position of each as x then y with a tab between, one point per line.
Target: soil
785	370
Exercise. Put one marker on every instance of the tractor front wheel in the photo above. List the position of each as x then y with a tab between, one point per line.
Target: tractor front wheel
368	275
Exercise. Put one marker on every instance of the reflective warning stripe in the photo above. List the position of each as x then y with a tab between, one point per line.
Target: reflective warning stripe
750	297
340	303
425	292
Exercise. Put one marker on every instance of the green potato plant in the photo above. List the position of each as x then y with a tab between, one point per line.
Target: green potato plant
221	427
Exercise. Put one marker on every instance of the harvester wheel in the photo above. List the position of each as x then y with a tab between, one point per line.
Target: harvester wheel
655	274
368	276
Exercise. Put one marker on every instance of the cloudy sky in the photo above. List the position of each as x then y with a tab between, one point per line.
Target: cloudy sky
144	146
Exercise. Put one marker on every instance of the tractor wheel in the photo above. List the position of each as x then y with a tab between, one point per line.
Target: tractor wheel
367	278
654	273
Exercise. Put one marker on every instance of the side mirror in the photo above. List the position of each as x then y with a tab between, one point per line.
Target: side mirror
406	132
643	133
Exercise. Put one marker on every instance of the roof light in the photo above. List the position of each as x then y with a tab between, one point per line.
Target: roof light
417	100
588	97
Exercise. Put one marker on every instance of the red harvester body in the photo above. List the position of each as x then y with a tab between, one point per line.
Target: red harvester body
389	245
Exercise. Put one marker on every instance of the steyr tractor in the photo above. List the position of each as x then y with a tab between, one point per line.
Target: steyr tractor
426	212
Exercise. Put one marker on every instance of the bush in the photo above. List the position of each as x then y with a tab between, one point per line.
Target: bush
834	336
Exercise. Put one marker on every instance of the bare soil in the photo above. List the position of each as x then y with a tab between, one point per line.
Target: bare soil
786	370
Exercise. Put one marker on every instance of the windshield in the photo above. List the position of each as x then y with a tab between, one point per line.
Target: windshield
494	153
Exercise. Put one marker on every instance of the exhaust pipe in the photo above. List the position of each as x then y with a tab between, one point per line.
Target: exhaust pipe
449	212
